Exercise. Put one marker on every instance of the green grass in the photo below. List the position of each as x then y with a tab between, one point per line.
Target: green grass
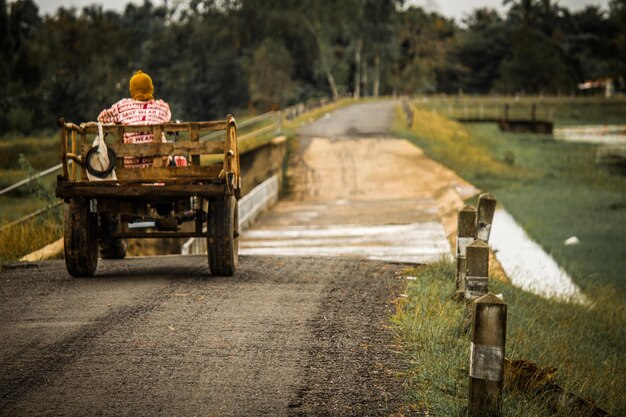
586	345
40	153
30	236
552	188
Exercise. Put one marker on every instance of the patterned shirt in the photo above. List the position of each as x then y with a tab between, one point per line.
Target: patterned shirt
133	112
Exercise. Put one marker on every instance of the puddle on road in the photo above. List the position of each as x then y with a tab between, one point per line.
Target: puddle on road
600	134
527	264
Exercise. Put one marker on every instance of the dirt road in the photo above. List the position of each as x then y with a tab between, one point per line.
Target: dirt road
287	336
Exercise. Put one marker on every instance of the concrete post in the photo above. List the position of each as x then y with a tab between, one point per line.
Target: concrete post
466	233
476	270
486	375
486	208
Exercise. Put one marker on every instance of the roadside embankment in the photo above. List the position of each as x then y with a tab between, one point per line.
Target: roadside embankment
553	189
584	344
555	192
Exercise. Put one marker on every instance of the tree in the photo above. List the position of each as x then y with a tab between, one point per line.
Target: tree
269	77
5	67
422	44
537	61
314	17
587	44
23	105
481	48
536	65
617	15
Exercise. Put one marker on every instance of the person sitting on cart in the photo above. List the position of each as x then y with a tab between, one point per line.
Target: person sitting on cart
140	109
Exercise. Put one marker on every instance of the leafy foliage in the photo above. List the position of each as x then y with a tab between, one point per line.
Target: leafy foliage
270	80
211	57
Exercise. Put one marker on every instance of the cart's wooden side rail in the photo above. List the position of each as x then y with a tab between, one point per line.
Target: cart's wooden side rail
92	127
162	173
75	145
231	151
164	148
130	189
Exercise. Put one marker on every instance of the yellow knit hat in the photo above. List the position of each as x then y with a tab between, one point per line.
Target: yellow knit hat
141	87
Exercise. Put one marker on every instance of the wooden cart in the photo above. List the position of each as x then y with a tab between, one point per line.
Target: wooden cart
198	200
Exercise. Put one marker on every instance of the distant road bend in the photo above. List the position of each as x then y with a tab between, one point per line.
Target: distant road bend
301	330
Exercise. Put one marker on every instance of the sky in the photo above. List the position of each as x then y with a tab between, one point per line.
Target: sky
459	8
450	8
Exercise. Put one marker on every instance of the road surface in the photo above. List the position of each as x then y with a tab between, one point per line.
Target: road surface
359	193
159	336
303	335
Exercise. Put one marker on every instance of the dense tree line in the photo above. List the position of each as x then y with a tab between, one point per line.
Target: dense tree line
209	57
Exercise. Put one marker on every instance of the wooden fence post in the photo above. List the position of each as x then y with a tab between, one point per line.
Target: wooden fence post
466	233
476	270
279	122
486	208
408	112
486	375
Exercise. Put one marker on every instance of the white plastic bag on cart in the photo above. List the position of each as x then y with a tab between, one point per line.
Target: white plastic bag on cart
100	167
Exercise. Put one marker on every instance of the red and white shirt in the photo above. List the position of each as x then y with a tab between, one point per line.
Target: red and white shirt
133	112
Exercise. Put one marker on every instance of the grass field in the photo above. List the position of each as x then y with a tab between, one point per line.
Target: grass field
30	236
17	154
586	345
554	190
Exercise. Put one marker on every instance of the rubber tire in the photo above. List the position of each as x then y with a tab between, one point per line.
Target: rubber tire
223	236
80	232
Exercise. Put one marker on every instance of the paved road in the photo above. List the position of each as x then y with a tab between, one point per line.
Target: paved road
359	193
362	120
159	336
287	336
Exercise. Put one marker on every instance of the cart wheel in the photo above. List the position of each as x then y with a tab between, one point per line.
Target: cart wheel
80	232
223	236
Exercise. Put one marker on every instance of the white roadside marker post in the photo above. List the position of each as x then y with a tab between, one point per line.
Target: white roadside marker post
486	209
476	270
486	375
466	233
